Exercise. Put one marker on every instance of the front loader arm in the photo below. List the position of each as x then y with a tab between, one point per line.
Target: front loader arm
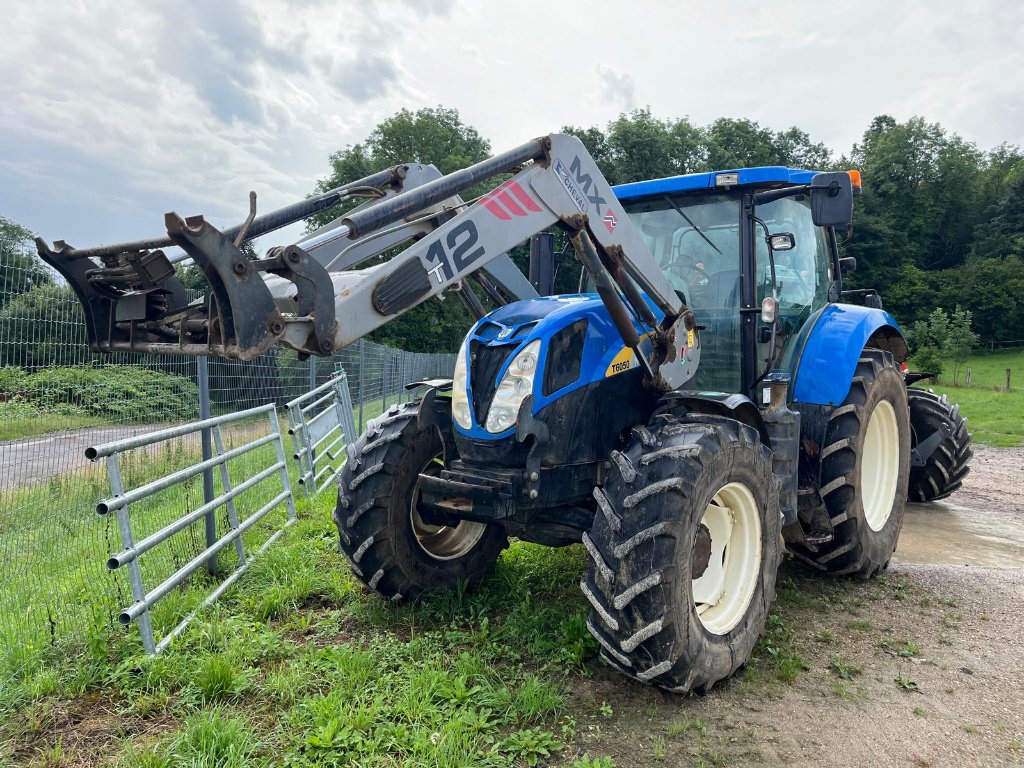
290	297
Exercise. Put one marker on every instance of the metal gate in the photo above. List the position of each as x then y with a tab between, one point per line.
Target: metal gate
119	503
322	425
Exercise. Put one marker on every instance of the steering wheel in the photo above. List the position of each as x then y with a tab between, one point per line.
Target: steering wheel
690	270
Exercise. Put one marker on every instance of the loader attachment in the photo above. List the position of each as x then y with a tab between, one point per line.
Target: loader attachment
134	301
322	293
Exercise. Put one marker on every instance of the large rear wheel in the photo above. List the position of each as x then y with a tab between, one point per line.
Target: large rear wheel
940	430
684	552
865	465
388	544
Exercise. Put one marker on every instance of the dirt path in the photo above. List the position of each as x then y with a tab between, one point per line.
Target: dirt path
36	459
924	667
995	484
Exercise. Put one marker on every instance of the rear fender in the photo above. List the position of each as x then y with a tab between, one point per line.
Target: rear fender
830	353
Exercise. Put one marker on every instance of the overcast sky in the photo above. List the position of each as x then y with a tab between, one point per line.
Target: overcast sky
112	113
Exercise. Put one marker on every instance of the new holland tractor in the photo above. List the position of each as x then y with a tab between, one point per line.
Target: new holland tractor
705	399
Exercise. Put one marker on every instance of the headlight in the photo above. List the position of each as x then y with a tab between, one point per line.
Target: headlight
516	385
460	399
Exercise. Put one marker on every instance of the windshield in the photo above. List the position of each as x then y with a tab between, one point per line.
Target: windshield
695	240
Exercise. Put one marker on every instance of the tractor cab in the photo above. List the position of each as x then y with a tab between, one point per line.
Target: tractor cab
753	272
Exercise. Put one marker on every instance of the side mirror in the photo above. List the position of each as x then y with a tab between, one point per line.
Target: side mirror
832	200
783	241
847	264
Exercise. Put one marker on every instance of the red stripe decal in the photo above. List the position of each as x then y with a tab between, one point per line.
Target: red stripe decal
494	208
524	198
506	199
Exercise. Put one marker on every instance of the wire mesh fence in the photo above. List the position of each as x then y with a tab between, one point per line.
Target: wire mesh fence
56	400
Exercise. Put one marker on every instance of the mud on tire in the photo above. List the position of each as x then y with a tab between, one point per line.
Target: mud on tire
854	479
375	519
945	469
642	550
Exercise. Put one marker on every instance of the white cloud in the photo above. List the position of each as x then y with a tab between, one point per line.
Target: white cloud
618	89
112	113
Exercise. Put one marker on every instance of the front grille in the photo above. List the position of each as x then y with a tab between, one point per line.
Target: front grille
485	363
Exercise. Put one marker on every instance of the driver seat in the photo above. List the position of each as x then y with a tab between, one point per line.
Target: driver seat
723	289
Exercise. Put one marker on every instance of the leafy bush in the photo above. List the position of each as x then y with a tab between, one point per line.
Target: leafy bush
17	408
928	360
12	379
43	326
117	392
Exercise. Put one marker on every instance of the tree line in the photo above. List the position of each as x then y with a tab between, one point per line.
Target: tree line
939	223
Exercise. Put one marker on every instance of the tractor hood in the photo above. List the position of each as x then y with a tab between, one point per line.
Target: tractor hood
577	345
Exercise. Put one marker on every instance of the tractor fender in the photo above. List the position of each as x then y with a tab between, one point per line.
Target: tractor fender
832	347
735	406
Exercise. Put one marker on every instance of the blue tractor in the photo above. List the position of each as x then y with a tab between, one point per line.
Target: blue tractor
795	426
705	399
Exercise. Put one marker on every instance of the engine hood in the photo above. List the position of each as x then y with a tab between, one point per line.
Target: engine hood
579	345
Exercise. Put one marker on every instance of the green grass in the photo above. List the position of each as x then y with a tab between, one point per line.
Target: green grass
298	664
56	582
301	665
995	417
21	427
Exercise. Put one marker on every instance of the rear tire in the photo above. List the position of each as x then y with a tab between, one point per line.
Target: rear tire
661	539
945	469
389	547
865	466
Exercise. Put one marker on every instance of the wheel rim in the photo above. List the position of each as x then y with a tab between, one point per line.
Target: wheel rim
442	542
880	465
724	586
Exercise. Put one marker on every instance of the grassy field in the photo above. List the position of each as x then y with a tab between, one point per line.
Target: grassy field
19	428
995	417
299	665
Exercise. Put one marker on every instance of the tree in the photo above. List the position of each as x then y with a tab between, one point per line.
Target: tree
961	340
927	340
431	135
42	327
1003	234
19	268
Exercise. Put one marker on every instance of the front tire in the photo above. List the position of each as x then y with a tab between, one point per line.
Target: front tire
390	548
684	552
865	466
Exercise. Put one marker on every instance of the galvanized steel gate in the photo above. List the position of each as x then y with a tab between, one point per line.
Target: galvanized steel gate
119	503
322	425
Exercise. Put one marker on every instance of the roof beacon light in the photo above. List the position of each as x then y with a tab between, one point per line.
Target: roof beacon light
855	181
726	179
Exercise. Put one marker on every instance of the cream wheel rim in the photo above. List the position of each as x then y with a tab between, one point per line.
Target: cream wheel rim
880	465
723	589
442	542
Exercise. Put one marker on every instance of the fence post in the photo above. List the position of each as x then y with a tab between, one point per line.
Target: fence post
128	542
362	384
275	427
384	376
204	413
968	377
1007	379
312	372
